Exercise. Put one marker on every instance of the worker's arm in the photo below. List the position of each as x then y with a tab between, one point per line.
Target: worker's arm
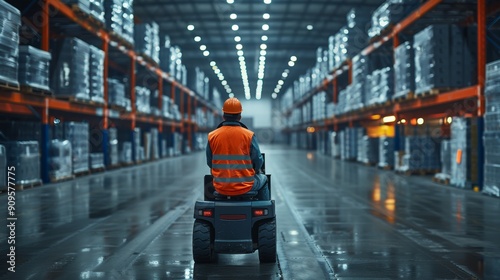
256	155
209	155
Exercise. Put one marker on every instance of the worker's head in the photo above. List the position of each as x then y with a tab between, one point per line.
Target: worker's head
232	109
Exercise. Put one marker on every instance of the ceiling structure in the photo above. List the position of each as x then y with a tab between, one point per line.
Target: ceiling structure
296	29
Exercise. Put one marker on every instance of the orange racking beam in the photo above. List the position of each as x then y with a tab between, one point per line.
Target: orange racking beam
132	91
105	49
15	109
481	55
439	99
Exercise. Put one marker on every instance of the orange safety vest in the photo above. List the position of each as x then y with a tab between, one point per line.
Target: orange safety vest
232	168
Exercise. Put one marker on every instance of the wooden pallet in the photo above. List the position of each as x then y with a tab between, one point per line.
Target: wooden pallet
386	167
408	96
22	187
74	99
81	173
369	163
9	86
35	91
62	179
421	172
96	170
434	91
442	181
147	59
120	40
117	107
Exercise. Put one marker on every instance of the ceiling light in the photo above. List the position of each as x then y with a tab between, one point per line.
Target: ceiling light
239	46
420	121
266	16
263	46
230	1
206	53
235	27
265	27
262	58
264	38
280	82
291	63
263	52
197	38
293	58
240	53
224	83
389	119
237	38
203	47
274	95
190	27
231	95
285	74
267	1
212	63
233	16
241	58
216	71
309	27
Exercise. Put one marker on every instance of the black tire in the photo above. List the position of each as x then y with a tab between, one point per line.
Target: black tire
203	251
267	242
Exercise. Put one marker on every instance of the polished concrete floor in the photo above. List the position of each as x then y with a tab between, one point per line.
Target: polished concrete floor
336	220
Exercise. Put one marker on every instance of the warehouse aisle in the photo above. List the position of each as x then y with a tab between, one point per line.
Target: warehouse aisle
335	220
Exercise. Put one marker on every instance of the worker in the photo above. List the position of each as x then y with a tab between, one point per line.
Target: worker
234	156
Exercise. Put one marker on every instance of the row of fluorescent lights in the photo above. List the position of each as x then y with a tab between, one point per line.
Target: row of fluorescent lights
213	64
262	57
284	75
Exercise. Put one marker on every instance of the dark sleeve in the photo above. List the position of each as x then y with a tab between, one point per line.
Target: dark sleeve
209	155
255	154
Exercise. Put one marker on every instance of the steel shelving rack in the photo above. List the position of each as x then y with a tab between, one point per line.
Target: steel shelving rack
15	102
468	101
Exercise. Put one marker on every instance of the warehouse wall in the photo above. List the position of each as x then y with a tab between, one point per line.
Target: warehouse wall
259	110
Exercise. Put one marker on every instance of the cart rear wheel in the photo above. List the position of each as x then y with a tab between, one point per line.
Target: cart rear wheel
203	251
267	242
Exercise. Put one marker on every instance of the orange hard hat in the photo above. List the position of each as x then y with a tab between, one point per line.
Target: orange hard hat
232	106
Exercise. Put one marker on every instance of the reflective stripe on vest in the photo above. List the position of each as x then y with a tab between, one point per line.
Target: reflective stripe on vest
233	180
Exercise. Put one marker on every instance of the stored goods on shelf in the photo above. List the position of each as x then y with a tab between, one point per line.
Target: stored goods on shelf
34	66
82	5
491	137
60	162
97	10
3	167
114	157
147	40
199	82
155	147
25	157
386	152
10	19
446	161
96	74
96	160
368	150
421	154
142	98
139	151
126	153
166	53
116	93
113	13
360	85
128	20
70	77
436	65
404	70
335	144
381	89
390	13
77	133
